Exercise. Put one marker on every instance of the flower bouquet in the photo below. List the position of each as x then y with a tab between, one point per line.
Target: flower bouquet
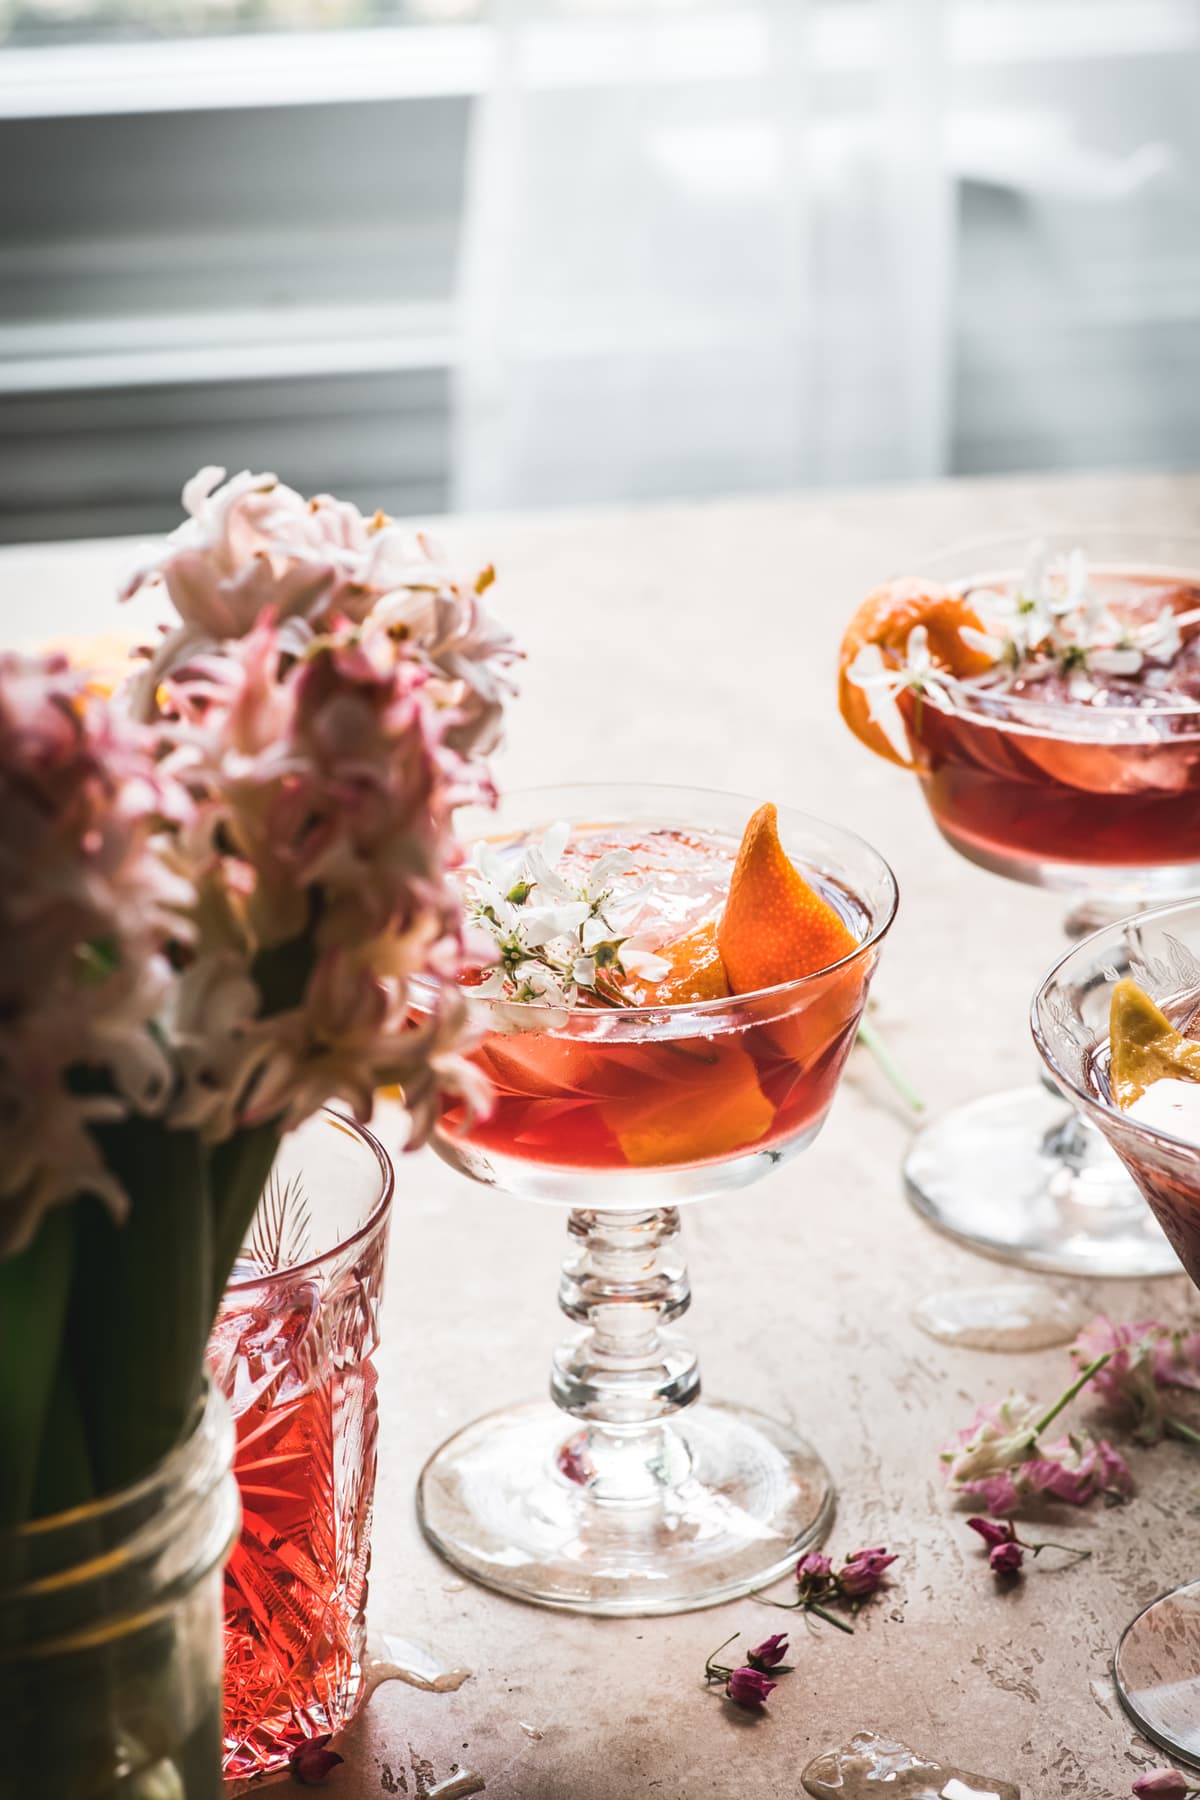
218	883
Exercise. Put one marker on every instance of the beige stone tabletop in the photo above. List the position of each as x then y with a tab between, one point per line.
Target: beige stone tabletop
694	643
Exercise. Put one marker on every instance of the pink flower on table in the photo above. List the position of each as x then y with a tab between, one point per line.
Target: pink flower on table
749	1687
1006	1558
1167	1784
1077	1469
992	1531
998	1439
997	1459
863	1572
813	1571
1146	1357
770	1653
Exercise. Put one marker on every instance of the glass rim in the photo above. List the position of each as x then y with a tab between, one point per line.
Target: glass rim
387	1169
1065	1081
702	1009
1023	707
1028	715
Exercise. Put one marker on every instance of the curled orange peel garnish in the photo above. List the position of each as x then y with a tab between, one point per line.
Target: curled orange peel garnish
886	620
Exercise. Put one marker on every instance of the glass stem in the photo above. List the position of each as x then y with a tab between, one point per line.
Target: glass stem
626	1373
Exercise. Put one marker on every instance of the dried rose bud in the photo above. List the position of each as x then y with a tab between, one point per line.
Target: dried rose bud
749	1687
1168	1784
313	1761
770	1653
1006	1559
992	1531
863	1572
813	1571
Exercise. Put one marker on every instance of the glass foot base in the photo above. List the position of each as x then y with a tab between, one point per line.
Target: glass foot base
1019	1177
728	1504
1157	1669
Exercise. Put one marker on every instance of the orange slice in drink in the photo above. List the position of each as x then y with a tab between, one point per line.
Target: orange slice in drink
696	971
700	1100
1144	1046
775	927
886	619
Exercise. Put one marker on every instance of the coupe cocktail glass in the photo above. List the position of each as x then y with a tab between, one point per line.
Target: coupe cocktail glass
1157	1662
292	1352
1099	801
628	1494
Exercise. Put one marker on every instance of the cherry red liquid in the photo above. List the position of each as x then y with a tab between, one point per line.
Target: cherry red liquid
582	1104
750	1076
1065	789
295	1366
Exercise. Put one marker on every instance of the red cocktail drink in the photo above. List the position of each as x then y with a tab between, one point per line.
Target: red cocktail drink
673	991
1047	698
1080	766
642	1085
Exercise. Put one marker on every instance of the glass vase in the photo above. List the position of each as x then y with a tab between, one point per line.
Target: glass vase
292	1351
110	1634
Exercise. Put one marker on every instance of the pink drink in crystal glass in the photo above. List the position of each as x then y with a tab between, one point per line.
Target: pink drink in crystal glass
292	1352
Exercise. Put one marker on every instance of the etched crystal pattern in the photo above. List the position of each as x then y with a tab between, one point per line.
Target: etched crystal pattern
292	1354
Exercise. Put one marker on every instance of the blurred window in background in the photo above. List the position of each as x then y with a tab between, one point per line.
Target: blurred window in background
485	253
94	21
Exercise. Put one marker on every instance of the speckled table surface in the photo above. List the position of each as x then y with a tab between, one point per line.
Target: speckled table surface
695	644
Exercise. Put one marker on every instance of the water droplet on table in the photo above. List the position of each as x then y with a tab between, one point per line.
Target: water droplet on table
1012	1315
871	1765
398	1659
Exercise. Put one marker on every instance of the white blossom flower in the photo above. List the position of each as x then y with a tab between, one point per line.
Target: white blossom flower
883	682
555	937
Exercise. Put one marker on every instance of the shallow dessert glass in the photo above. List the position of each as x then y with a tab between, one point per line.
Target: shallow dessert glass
1102	805
1157	1661
627	1494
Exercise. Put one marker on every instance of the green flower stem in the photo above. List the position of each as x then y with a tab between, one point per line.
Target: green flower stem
1065	1400
140	1321
64	1472
871	1040
829	1618
715	1671
1177	1429
804	1606
34	1287
238	1174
